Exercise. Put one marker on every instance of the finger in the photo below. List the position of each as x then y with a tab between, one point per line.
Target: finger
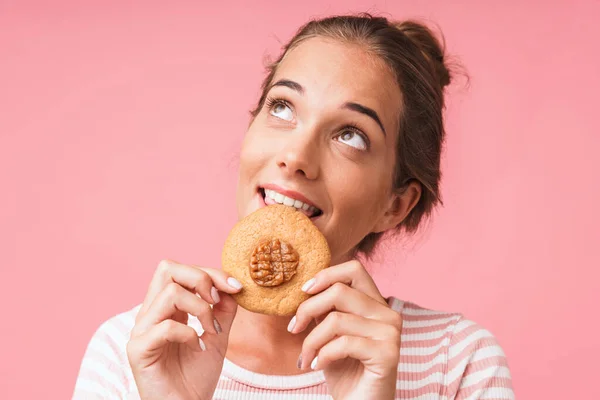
167	331
338	324
367	351
225	312
343	298
193	278
351	273
170	300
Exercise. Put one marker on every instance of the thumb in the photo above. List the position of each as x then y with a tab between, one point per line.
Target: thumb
224	311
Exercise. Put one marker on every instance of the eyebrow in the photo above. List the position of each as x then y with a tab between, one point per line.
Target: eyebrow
289	84
367	111
295	86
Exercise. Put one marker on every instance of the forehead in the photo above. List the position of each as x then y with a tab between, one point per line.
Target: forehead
335	72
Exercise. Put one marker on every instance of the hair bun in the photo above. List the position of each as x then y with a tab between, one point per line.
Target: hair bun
430	47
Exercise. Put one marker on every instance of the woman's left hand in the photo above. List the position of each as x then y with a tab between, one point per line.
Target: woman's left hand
357	341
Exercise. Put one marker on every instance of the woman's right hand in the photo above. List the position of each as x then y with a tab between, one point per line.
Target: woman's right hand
168	359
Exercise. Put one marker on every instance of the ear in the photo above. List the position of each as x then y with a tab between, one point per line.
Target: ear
399	206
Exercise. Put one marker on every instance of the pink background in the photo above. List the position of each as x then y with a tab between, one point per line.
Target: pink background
119	130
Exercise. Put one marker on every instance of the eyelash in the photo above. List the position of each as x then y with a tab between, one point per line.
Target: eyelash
354	128
271	102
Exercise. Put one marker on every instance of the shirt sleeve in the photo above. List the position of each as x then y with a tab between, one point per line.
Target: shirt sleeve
102	373
477	366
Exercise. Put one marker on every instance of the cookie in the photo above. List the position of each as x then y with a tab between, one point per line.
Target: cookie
273	252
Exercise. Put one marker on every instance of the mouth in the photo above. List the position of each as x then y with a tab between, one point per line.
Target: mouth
272	196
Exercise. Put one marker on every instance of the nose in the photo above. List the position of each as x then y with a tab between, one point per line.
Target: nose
300	156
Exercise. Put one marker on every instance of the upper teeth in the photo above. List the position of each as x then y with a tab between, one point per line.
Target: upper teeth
288	201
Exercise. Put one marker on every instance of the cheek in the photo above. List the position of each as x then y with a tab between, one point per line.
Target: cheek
358	197
354	187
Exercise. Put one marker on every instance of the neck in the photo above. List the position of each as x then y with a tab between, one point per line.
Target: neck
262	343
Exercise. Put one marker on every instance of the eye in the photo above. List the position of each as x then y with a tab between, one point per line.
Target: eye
354	139
280	109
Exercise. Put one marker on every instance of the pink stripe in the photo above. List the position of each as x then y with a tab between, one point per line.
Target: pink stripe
479	365
417	376
476	366
424	342
102	337
423	359
83	394
94	376
427	389
224	384
485	383
426	317
122	327
471	348
426	329
101	358
441	390
462	335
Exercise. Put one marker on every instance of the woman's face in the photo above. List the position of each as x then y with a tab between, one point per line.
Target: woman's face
325	138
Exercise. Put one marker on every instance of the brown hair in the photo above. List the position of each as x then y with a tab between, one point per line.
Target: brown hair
415	56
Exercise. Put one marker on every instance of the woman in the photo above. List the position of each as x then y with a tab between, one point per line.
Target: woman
350	122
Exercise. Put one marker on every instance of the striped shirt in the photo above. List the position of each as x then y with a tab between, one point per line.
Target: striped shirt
442	356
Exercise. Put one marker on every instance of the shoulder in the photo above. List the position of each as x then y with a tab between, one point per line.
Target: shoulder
477	364
104	371
115	331
420	323
444	352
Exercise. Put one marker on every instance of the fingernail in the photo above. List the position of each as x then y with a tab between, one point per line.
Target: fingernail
313	364
234	283
299	363
292	324
308	285
198	328
215	294
202	345
217	326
